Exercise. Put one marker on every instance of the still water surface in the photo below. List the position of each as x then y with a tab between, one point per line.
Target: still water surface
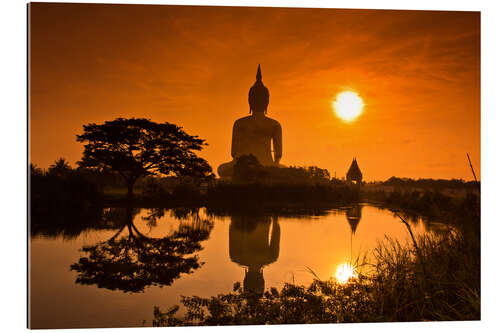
90	281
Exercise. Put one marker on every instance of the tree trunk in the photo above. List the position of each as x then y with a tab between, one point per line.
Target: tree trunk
130	190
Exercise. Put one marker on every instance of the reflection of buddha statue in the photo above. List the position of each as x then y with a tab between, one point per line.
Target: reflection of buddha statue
252	135
254	242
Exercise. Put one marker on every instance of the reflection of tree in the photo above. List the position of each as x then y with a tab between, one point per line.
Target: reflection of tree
254	242
134	262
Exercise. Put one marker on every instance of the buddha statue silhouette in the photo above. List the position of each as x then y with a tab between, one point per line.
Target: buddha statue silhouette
253	135
254	242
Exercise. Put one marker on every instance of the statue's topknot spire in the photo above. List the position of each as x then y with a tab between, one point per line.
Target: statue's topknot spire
258	96
259	74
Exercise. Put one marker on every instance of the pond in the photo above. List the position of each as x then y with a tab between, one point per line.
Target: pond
113	275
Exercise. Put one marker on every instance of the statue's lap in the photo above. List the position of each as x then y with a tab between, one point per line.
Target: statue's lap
225	170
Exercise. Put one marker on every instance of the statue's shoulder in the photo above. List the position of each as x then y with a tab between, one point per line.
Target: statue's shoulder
242	120
275	123
245	119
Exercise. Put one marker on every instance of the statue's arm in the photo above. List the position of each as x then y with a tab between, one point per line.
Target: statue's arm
277	143
234	143
275	240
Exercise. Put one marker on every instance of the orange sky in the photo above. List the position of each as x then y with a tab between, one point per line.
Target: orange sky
417	71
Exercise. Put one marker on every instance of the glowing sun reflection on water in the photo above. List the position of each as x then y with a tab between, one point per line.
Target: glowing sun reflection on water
345	272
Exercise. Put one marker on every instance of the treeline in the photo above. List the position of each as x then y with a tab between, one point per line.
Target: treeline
462	212
63	198
104	177
62	189
430	184
67	198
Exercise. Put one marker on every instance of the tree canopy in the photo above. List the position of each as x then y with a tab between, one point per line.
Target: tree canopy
138	147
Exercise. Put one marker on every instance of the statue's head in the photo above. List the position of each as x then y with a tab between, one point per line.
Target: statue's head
258	96
254	281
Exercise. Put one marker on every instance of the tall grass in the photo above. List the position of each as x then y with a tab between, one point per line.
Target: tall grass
436	279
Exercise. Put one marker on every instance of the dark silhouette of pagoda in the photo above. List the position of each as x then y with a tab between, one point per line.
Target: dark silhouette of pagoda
354	174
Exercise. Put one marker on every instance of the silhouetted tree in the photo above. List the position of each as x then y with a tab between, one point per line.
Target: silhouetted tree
318	174
35	171
60	167
139	147
247	169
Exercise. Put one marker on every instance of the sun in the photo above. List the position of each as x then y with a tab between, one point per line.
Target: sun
345	272
348	105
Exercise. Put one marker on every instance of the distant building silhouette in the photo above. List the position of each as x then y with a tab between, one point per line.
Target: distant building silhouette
354	174
254	134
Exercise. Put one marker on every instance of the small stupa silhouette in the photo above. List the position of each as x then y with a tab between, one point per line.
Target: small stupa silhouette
354	173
